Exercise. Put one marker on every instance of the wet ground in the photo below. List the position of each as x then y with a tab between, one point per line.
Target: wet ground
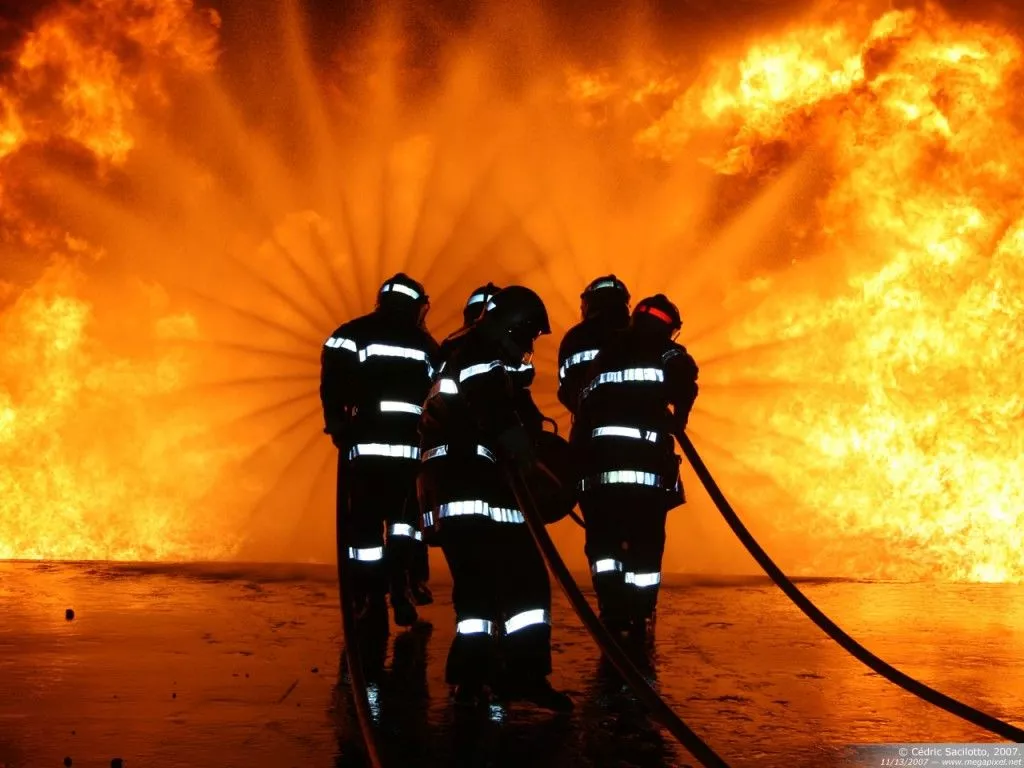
225	666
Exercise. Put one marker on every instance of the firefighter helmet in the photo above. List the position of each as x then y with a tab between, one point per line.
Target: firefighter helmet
515	317
658	314
400	294
477	302
604	294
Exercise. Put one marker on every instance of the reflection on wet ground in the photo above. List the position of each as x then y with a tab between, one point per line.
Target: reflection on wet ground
227	666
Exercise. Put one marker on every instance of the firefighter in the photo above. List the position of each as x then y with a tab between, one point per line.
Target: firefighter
639	393
473	429
375	374
604	311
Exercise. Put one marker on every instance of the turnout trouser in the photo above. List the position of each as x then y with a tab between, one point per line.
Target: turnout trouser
625	542
502	600
378	516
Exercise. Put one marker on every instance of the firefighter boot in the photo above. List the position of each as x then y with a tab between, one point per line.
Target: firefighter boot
641	635
405	615
471	695
612	606
404	610
538	691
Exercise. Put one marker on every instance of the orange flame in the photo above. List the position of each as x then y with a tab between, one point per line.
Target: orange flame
71	485
904	401
861	376
80	72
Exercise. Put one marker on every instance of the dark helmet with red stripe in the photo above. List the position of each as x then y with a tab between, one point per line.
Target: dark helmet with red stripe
658	315
605	295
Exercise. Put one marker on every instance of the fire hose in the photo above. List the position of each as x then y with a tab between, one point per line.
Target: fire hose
611	649
353	657
851	646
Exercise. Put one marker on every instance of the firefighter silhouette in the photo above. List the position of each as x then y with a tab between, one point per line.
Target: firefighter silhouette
638	394
478	420
376	371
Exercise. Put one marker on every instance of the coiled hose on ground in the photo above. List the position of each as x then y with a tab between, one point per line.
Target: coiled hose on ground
647	695
851	646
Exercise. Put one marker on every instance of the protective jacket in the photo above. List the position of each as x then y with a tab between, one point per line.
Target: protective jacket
624	427
522	375
474	401
579	347
376	372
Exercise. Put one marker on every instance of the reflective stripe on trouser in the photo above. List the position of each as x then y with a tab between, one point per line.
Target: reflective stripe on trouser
622	477
472	508
607	576
404	529
502	602
380	497
633	433
643	579
624	545
617	569
442	450
384	450
366	554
